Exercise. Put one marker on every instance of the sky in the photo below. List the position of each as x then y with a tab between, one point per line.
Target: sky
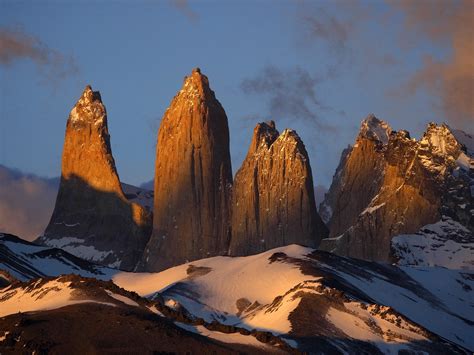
318	67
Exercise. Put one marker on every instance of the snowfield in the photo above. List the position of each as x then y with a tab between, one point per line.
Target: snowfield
310	299
39	297
446	243
263	291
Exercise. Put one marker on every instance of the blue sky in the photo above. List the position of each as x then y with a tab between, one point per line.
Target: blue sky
338	60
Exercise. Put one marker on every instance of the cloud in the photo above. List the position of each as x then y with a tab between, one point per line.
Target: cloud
17	45
291	93
340	26
183	6
445	23
319	23
26	203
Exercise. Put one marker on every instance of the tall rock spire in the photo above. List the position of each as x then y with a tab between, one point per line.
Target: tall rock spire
193	178
92	218
273	197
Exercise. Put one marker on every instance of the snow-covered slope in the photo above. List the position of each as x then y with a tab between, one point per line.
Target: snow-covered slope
310	299
317	299
446	243
42	295
133	323
23	260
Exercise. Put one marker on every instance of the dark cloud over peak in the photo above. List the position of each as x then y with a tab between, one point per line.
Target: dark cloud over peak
291	93
320	24
17	45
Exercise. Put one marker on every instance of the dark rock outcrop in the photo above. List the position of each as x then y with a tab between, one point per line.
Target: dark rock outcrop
273	196
389	184
193	178
92	217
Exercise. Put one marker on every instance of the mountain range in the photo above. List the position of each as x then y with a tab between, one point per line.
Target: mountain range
247	263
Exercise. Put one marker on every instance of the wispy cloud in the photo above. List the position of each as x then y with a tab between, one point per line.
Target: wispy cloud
16	45
446	23
318	23
291	93
26	202
184	8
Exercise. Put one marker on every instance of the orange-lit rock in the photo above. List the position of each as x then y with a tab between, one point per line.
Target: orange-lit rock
389	184
92	218
193	178
273	197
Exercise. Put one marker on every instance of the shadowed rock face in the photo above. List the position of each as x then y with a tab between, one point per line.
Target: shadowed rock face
273	197
388	184
193	178
92	218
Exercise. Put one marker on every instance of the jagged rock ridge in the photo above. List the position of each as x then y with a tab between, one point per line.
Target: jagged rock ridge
92	217
389	184
193	178
273	197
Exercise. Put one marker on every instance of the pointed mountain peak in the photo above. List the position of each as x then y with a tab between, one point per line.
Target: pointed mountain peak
196	85
293	144
273	195
91	210
193	175
441	140
443	135
264	134
289	134
89	96
375	129
89	108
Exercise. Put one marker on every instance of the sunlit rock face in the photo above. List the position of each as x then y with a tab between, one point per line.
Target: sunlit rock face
273	196
389	184
92	218
193	178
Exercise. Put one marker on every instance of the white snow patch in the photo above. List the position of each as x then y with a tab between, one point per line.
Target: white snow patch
51	295
464	162
156	311
230	338
122	299
70	244
62	242
355	324
273	320
372	209
4	336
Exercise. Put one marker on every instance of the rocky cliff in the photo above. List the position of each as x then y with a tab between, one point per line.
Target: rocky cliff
193	179
92	217
390	184
273	197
